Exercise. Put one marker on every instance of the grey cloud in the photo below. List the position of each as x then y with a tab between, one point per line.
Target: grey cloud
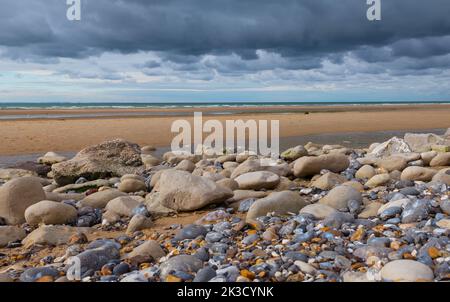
182	32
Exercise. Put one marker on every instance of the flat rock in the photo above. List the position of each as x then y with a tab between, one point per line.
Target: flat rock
111	158
63	196
257	180
83	186
309	165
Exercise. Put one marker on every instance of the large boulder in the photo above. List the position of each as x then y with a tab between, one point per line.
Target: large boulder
50	212
182	191
17	195
418	174
340	196
310	165
257	180
422	142
111	158
278	202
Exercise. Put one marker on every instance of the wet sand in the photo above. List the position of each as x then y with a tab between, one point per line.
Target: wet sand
34	135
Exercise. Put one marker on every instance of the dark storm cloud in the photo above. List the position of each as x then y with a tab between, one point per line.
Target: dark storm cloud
182	31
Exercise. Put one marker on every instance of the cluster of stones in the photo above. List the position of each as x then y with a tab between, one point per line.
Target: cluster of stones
318	213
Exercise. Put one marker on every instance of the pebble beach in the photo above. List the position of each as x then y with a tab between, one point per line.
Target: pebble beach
318	213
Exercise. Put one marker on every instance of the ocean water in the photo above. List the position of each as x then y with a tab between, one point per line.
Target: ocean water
127	105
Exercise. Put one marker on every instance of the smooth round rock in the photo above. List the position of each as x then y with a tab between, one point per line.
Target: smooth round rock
339	196
406	271
50	212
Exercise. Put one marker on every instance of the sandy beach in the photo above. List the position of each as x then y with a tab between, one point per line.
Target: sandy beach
35	135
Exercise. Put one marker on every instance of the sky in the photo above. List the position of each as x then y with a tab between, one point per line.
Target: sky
224	50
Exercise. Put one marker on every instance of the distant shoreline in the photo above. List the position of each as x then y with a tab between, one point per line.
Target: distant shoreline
40	135
224	110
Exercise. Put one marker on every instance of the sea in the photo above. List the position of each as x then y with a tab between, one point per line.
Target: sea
162	109
131	105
